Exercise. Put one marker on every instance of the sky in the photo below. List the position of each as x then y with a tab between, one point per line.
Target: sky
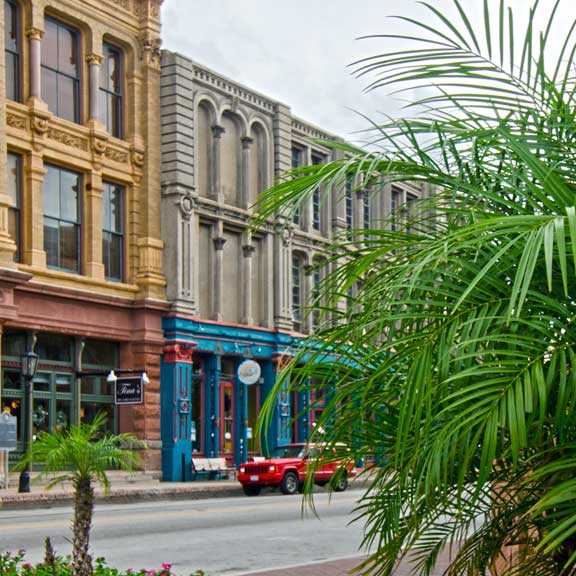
300	52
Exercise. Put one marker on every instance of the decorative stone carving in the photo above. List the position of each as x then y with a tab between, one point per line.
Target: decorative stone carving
150	49
248	250
40	125
187	205
67	139
246	142
116	155
218	131
123	3
99	145
219	242
138	158
179	353
16	121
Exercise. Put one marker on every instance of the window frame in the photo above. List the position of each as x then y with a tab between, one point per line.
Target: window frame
120	132
18	208
121	235
78	223
349	203
317	159
297	154
77	81
297	290
17	55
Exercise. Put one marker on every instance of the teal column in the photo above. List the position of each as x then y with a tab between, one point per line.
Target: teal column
176	412
271	436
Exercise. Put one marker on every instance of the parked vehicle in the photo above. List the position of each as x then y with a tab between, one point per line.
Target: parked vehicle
289	465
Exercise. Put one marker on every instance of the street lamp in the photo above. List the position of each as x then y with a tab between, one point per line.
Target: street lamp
29	364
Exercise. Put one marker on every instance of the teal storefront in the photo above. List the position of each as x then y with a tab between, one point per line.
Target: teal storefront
206	410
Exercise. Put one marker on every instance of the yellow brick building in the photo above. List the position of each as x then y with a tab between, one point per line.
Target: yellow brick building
81	280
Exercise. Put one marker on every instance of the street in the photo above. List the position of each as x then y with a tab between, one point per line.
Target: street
223	536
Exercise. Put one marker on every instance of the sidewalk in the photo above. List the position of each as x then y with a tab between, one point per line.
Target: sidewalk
344	567
123	488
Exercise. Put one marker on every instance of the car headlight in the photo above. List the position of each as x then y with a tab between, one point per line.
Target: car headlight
242	469
272	468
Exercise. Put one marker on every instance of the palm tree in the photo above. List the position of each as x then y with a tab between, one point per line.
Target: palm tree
454	364
81	455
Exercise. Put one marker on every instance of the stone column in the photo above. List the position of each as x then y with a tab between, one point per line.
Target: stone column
94	63
247	288
93	227
219	242
217	133
35	40
176	412
246	176
33	221
307	317
282	278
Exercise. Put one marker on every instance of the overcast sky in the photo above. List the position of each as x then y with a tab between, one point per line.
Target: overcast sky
299	52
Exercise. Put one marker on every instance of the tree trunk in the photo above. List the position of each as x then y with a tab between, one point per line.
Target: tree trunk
83	509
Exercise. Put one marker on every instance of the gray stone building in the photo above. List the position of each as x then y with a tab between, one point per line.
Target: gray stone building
236	296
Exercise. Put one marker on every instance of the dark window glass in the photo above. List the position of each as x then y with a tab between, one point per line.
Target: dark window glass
100	353
315	296
296	163
15	194
62	218
297	291
111	91
54	347
396	201
366	208
349	203
12	49
61	70
113	230
316	198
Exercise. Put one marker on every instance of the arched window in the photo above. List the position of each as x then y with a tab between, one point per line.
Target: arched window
204	150
258	163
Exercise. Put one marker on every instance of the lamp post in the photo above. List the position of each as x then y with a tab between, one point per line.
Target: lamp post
29	363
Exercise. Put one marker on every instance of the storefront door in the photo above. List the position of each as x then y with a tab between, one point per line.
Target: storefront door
226	418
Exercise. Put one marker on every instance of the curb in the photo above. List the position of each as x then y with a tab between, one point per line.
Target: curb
46	499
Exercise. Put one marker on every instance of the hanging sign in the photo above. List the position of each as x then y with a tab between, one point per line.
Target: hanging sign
129	390
249	372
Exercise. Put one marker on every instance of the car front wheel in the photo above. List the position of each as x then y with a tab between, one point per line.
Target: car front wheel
289	483
341	484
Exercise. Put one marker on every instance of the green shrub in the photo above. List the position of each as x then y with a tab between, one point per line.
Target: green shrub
14	564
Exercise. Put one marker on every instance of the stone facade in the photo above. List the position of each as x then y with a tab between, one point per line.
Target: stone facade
66	276
237	294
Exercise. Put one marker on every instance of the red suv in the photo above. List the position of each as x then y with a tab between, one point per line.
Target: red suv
288	465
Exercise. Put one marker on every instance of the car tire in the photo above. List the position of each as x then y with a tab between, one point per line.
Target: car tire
341	484
289	484
251	490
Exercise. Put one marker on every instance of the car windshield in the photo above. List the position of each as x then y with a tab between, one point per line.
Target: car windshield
289	451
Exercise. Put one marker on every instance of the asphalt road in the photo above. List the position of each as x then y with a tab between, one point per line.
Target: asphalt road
225	536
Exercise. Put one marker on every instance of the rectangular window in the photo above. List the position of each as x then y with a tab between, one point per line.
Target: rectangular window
396	202
113	231
112	91
315	298
297	292
61	70
62	218
296	163
366	211
12	49
349	202
15	195
316	197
